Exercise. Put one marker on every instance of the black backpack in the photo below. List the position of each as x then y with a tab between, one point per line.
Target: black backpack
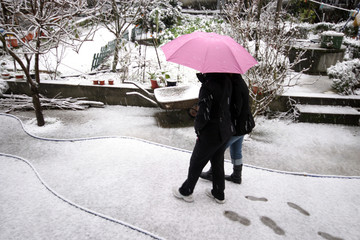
242	117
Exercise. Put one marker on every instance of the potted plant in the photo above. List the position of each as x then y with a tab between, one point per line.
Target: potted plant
171	83
165	78
153	79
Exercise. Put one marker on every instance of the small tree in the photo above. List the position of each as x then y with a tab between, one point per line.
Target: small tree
39	26
119	18
268	38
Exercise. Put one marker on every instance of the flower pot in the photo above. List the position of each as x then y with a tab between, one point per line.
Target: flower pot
256	90
29	37
102	82
95	82
5	75
13	42
111	82
154	84
19	76
170	83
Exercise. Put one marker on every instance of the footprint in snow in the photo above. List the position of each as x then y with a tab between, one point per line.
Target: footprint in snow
271	224
252	198
300	209
236	217
328	236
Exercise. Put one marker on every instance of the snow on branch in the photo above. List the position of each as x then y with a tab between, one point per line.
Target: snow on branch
39	26
23	102
269	39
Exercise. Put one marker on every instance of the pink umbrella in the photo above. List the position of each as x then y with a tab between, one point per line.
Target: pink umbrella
209	52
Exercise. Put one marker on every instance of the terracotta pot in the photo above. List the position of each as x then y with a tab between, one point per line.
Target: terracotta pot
154	84
5	75
29	37
256	90
102	82
13	42
111	82
96	82
19	76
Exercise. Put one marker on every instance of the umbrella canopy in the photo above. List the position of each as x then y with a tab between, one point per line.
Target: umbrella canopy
209	52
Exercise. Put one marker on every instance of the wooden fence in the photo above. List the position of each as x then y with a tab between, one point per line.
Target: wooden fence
105	52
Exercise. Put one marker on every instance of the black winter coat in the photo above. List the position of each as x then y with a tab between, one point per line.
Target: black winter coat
213	118
240	107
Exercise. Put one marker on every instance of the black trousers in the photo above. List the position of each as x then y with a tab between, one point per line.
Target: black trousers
207	148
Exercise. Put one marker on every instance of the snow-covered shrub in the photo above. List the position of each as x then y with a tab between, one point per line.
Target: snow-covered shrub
3	87
352	47
191	24
160	14
346	76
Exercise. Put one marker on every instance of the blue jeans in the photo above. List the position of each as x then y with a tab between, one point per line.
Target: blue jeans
235	144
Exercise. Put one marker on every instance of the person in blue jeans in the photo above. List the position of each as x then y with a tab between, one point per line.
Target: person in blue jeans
241	113
235	144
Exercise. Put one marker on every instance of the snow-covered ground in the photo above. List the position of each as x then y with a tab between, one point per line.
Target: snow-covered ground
128	177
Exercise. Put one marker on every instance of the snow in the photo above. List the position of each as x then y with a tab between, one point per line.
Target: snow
120	163
176	94
332	33
327	109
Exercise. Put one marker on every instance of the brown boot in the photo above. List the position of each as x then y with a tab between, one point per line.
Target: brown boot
207	175
235	177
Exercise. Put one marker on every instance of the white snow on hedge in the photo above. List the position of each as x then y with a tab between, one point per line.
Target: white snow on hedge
345	75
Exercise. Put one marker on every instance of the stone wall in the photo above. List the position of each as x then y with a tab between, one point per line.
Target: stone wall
316	59
111	95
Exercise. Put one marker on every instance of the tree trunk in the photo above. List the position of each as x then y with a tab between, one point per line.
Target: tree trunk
37	106
32	84
116	54
257	38
278	9
37	70
35	91
117	34
247	4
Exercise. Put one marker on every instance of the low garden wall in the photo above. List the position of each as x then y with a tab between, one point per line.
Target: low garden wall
318	59
108	94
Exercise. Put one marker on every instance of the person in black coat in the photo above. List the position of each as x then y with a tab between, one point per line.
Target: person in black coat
243	122
214	128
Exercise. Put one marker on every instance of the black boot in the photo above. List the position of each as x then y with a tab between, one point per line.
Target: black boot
235	177
207	175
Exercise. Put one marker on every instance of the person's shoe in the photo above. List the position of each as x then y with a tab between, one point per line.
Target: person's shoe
210	195
177	194
235	177
207	175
